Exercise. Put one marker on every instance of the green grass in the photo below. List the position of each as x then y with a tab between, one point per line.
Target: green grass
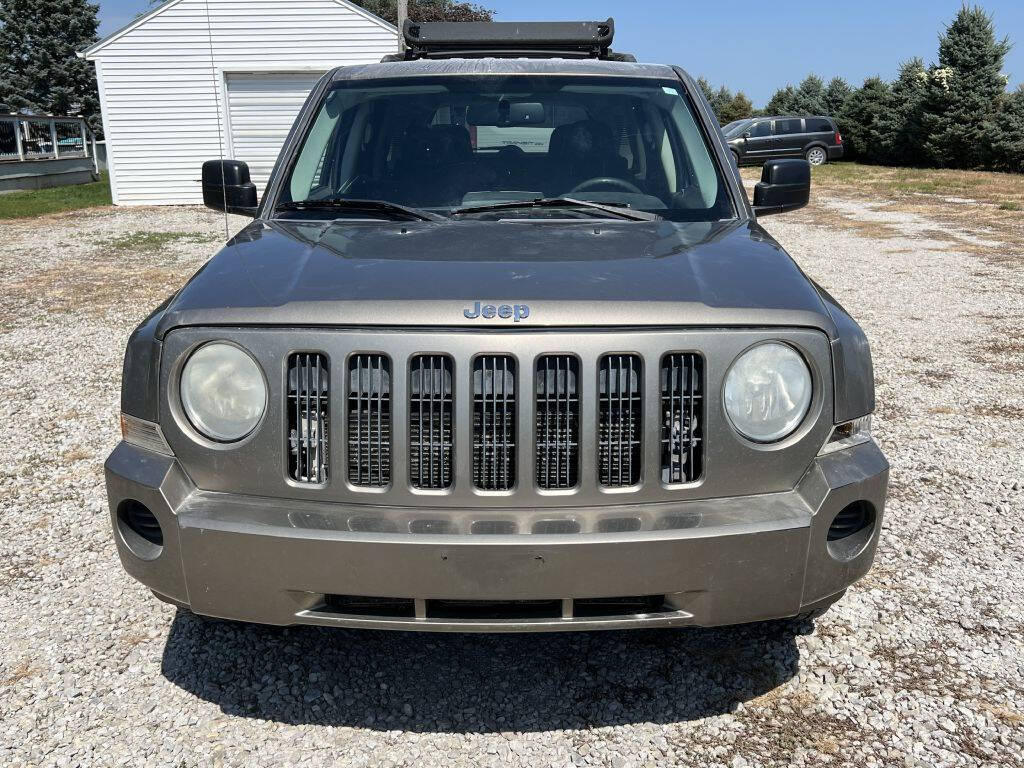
21	205
1009	206
148	242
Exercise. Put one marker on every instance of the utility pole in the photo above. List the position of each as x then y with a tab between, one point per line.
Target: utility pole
403	14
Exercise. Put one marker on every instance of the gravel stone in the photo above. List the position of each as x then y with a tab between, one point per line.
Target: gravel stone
921	664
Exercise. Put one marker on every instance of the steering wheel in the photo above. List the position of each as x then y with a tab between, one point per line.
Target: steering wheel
607	181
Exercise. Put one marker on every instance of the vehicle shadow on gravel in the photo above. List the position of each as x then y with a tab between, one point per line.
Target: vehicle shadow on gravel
477	683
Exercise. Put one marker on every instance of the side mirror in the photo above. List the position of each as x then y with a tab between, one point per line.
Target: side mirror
226	187
785	186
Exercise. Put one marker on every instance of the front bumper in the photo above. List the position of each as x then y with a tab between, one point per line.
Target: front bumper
282	562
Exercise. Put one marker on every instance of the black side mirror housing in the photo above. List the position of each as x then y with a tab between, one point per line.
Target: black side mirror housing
226	187
785	186
746	134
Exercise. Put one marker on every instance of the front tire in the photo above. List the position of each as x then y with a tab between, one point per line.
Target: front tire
816	156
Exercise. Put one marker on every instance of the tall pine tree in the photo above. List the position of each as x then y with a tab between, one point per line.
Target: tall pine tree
902	124
1007	134
39	40
836	93
810	96
861	121
965	91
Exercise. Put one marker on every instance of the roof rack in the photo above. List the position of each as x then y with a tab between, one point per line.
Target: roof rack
509	39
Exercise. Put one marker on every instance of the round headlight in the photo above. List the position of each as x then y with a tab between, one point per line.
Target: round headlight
768	392
223	392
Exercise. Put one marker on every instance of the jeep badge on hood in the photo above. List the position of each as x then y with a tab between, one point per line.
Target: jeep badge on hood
516	312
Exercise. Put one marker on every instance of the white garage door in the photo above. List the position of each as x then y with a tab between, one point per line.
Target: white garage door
261	109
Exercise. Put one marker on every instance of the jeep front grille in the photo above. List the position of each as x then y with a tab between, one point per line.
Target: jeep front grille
494	422
308	417
430	421
620	420
682	425
369	420
578	431
557	418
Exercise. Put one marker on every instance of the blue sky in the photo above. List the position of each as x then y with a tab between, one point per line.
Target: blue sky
755	46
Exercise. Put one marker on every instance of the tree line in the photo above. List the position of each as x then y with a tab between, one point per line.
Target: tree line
954	113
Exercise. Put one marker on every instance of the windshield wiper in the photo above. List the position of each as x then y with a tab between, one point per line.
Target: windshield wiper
371	206
622	210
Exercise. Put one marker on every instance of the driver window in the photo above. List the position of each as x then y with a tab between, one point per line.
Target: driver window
764	128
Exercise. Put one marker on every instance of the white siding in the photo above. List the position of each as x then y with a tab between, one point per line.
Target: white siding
261	110
162	93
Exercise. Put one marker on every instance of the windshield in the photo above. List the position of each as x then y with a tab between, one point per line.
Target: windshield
736	127
449	142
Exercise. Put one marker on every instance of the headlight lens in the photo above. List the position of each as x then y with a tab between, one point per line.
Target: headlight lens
767	392
223	392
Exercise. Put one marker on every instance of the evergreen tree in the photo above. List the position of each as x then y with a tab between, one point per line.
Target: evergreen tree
706	89
902	124
782	102
861	121
738	108
428	10
39	40
1007	134
965	91
810	97
836	93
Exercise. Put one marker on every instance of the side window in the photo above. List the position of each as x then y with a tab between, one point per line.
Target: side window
819	126
793	125
764	128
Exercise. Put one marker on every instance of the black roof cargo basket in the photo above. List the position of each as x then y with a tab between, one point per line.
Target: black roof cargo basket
505	39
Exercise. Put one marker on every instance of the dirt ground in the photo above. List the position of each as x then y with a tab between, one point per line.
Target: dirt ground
921	664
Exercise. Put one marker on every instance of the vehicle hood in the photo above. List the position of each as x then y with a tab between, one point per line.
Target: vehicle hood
587	273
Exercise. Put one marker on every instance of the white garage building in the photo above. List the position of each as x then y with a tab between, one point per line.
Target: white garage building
193	78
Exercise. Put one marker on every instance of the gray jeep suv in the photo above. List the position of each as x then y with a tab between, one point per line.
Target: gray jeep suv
504	348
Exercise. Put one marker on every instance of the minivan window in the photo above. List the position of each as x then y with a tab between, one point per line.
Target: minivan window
764	128
793	125
447	142
819	126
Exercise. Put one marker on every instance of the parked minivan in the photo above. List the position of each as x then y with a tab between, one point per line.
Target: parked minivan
761	138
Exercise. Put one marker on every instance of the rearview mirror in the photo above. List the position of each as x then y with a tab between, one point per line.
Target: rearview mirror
226	187
785	186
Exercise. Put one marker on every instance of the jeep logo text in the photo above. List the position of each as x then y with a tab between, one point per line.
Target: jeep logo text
515	312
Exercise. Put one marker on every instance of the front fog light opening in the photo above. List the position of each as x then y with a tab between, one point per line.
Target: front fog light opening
851	530
139	529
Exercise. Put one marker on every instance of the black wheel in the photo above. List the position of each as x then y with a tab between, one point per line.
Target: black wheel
817	156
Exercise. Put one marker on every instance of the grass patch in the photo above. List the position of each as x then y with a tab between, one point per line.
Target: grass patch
39	202
150	242
1009	205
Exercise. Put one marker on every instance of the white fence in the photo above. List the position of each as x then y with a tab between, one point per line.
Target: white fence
27	137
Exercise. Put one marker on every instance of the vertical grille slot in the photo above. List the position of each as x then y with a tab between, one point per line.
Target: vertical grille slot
620	420
494	422
682	427
369	420
430	421
557	422
308	410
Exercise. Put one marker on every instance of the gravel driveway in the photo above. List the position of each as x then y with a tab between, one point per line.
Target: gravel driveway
921	663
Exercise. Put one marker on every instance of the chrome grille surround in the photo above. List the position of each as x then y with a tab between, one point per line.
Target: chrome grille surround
368	411
461	508
557	431
431	418
309	419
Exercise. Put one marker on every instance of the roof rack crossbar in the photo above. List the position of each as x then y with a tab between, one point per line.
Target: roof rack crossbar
448	39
